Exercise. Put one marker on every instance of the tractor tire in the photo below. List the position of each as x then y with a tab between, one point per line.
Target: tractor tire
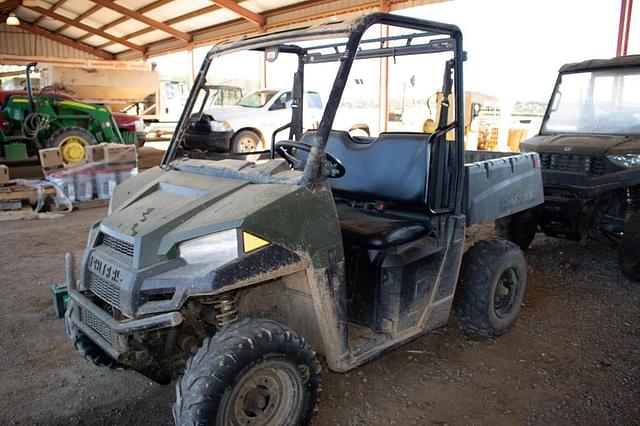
629	248
71	141
491	287
255	372
89	350
519	228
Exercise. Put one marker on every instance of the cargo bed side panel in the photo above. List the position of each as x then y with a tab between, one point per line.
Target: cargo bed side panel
502	185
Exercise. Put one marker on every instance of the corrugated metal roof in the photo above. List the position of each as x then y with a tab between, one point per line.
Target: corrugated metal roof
172	22
15	41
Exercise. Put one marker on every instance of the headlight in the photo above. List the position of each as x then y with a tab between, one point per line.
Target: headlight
139	125
219	126
625	160
215	249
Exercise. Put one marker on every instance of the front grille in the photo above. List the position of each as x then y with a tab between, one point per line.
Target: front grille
594	165
105	290
97	325
118	245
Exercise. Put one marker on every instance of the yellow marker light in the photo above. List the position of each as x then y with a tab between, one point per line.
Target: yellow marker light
251	242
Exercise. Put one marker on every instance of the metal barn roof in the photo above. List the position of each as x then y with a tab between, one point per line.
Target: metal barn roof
137	29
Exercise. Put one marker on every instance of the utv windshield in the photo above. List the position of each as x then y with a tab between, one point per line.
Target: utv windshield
596	102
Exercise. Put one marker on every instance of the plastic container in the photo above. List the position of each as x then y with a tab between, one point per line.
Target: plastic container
106	181
84	184
65	182
126	174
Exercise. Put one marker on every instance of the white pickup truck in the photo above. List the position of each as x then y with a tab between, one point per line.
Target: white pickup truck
248	125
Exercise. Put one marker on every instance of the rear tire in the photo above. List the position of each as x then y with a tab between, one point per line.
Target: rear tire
629	248
491	287
71	141
520	228
253	372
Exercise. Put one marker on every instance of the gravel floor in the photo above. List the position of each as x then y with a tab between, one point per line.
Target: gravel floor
573	356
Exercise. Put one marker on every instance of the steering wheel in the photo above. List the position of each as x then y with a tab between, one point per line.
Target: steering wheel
282	148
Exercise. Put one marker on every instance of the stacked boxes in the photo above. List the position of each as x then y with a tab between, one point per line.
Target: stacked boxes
105	166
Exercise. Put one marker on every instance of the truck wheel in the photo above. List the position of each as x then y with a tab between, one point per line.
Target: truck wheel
89	350
520	228
255	372
491	287
630	247
246	141
71	141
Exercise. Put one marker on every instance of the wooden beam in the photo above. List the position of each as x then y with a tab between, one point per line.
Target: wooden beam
171	21
10	4
122	19
65	40
142	18
52	8
242	11
79	18
87	28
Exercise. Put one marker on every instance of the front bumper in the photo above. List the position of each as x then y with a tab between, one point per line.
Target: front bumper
209	140
109	334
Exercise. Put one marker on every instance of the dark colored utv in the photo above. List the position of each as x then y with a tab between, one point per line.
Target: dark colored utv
589	146
229	275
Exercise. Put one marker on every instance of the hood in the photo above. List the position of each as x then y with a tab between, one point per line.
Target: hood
158	209
230	113
582	144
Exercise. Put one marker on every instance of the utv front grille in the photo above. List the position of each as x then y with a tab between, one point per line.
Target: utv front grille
575	163
97	325
105	290
118	245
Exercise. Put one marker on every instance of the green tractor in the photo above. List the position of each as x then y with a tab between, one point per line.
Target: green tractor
31	122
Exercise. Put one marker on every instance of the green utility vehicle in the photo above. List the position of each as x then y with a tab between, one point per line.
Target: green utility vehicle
231	276
47	120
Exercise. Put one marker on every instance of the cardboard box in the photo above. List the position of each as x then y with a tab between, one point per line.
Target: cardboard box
4	174
95	153
118	155
50	160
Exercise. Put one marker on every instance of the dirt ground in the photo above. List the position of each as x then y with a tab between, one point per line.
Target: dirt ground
573	356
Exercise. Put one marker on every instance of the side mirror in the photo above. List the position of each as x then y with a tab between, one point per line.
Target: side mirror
277	105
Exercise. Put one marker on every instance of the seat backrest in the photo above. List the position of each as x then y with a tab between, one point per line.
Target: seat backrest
393	167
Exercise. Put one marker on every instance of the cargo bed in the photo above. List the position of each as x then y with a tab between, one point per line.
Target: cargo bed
498	184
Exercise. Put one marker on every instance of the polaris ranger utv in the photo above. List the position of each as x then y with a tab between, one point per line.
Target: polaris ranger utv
589	146
229	275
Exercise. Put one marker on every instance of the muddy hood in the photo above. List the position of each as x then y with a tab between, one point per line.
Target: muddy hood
158	209
583	144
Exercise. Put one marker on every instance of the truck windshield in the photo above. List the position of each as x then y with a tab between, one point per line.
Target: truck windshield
596	102
257	99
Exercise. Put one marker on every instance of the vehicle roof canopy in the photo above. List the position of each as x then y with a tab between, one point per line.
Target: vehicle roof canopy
593	64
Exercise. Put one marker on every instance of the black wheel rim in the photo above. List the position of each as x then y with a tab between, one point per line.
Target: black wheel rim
506	293
268	394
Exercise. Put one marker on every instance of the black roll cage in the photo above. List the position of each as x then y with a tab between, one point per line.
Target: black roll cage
448	157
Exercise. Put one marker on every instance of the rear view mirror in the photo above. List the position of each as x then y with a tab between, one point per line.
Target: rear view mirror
271	53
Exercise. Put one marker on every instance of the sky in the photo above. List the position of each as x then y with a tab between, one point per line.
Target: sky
514	47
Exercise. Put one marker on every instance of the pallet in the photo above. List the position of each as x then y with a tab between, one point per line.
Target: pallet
22	213
22	192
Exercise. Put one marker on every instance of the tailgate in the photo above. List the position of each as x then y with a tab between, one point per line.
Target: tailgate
500	184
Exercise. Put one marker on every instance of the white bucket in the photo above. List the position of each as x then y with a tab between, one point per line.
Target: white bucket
106	181
126	174
84	185
66	184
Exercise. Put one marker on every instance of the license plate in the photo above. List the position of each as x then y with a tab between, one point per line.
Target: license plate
105	270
